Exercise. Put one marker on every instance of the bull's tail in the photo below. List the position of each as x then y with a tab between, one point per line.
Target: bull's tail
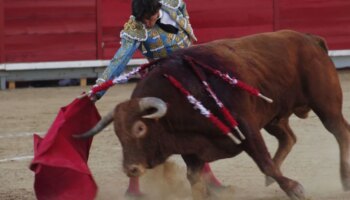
105	121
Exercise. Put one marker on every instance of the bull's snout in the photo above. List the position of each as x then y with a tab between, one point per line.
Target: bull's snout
134	170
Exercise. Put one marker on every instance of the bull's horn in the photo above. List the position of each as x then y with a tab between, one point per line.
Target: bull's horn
98	127
153	102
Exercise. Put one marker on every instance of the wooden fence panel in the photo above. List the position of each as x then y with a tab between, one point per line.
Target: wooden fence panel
64	30
330	19
52	30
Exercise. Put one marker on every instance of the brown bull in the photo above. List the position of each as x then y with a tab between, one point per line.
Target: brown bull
291	68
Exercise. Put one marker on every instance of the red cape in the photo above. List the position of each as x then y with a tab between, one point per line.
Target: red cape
60	161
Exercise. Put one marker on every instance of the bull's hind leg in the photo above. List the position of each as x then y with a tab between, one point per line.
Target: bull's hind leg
325	98
286	140
336	124
255	146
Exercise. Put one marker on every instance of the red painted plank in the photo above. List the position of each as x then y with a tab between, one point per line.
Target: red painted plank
52	30
50	26
58	55
49	20
330	19
220	13
114	13
51	40
99	42
51	47
276	15
73	30
51	3
211	20
2	32
48	12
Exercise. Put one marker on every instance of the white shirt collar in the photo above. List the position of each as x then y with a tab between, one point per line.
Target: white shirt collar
166	19
160	14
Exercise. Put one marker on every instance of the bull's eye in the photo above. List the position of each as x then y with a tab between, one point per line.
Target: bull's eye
139	129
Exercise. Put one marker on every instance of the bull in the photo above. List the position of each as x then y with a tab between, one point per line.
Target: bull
290	67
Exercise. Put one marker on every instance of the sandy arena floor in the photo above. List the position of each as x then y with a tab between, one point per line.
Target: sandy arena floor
314	161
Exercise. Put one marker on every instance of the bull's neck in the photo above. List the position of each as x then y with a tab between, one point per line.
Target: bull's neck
183	143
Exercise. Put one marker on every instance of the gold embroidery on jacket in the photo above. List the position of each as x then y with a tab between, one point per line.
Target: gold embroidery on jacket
160	54
134	30
174	4
157	44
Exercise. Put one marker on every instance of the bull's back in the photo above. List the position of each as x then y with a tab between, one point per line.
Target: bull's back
283	53
276	61
290	67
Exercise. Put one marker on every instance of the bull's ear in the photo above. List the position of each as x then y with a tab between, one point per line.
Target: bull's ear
139	129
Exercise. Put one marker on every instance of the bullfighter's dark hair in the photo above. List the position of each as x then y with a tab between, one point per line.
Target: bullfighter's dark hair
144	9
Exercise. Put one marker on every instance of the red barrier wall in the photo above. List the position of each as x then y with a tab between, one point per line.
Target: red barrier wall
60	30
329	19
2	30
52	30
211	20
227	19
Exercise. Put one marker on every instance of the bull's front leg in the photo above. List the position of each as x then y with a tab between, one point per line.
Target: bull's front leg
194	170
256	148
286	140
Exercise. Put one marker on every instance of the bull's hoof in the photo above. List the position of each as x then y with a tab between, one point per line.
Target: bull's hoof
346	184
220	192
218	188
134	195
269	181
297	192
200	191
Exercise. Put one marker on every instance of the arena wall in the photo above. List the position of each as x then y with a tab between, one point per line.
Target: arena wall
87	31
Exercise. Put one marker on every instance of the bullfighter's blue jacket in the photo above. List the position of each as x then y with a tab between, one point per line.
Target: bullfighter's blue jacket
154	43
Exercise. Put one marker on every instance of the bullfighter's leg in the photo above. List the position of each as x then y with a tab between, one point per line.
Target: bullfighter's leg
134	188
256	148
210	177
198	185
286	140
201	188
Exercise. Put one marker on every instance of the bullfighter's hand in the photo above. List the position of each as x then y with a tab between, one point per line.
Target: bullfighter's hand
95	97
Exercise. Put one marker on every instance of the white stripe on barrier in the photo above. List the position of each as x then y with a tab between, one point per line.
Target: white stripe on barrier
27	134
16	135
63	64
344	52
19	158
101	63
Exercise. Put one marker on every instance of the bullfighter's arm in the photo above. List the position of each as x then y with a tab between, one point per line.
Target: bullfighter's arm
118	63
120	60
183	10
